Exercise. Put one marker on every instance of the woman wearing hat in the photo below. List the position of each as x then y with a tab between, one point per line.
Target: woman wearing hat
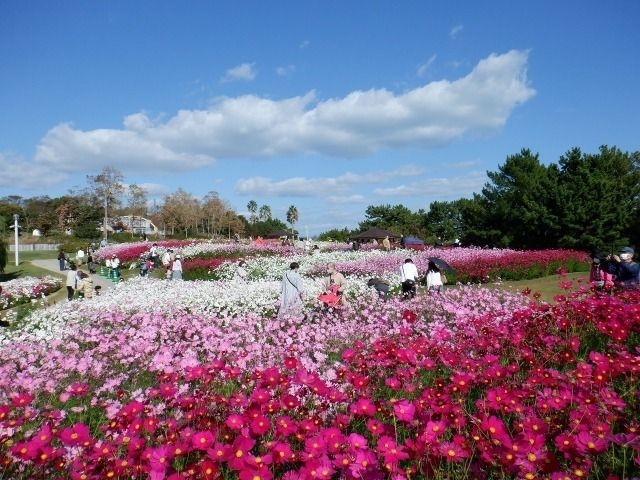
176	268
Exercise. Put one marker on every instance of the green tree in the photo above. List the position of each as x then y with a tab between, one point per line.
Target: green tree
264	214
396	219
444	221
252	208
292	216
598	198
265	227
106	188
522	203
337	235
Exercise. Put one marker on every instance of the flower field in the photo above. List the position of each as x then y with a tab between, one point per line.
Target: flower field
201	380
25	290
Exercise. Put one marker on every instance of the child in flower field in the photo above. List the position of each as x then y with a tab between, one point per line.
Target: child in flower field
599	276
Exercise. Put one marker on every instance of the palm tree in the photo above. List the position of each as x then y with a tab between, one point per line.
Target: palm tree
264	214
252	207
292	216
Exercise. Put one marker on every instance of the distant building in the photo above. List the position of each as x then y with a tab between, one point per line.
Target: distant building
137	225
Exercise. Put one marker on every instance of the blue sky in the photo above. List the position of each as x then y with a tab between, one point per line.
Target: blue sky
330	106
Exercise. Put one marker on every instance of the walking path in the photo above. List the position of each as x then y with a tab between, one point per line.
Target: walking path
54	266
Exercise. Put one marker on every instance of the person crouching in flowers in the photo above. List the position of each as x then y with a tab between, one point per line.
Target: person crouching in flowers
291	298
334	286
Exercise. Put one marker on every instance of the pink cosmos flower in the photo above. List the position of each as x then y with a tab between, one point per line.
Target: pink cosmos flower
260	425
76	436
453	452
234	421
202	440
240	452
363	406
282	452
404	410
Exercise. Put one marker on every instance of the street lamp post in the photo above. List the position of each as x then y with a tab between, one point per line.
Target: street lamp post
15	228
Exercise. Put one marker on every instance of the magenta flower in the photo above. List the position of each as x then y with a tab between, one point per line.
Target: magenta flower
363	406
404	410
78	435
202	440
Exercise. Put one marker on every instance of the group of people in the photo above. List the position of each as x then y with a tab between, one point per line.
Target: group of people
619	270
80	284
292	293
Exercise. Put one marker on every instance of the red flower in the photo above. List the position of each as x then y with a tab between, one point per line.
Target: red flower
21	399
209	469
452	451
409	316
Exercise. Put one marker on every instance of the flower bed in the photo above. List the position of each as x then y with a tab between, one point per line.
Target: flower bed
462	385
180	380
472	265
23	290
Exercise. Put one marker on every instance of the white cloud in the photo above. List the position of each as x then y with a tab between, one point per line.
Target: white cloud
19	174
304	44
455	30
318	187
422	69
285	71
444	188
361	123
244	71
346	199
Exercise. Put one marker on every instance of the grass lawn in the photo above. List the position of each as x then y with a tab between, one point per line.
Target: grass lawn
547	287
25	268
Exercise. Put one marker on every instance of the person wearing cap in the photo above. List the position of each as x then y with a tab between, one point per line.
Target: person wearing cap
626	271
115	265
176	268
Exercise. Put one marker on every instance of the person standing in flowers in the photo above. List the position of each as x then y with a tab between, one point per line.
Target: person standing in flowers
176	268
626	271
72	282
599	276
291	297
240	275
434	278
408	277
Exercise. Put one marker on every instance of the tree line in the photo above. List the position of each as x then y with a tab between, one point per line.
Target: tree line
583	201
106	199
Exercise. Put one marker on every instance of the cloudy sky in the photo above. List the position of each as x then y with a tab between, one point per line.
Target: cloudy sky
330	106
